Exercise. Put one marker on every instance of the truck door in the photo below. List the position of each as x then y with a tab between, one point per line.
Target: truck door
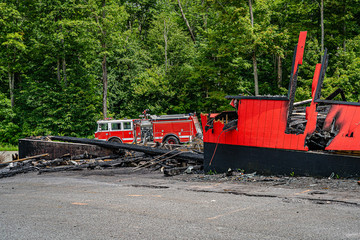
102	131
186	130
116	130
128	133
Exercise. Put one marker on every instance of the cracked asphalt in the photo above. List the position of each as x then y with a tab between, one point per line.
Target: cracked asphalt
120	204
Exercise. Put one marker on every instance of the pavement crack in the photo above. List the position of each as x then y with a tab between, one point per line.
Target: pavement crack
312	200
327	201
148	186
234	193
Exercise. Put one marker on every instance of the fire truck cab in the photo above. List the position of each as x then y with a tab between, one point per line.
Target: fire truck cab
116	130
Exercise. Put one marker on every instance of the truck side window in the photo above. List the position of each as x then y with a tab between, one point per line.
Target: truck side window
127	125
116	126
103	127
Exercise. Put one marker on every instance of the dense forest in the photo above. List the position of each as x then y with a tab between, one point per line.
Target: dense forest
65	64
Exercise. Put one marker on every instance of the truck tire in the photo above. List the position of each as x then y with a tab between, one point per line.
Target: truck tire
116	140
171	140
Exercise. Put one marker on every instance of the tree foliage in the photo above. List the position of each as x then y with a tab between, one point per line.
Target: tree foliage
169	56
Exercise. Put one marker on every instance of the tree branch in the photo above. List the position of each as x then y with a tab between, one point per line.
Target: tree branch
187	23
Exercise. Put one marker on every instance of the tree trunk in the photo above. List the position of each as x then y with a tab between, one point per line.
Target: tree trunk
344	43
64	70
104	68
251	14
63	60
322	24
186	22
11	87
58	70
255	75
165	47
254	54
279	72
205	16
344	28
105	86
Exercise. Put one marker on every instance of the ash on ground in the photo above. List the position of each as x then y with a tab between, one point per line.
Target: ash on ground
332	182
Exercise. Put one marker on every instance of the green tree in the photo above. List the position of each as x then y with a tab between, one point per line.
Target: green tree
109	19
11	42
9	131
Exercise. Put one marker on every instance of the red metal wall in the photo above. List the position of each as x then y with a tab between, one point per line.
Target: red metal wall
261	123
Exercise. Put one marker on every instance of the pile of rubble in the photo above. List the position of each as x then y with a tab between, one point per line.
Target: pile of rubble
169	161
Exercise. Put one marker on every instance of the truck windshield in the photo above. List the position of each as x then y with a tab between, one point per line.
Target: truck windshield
103	126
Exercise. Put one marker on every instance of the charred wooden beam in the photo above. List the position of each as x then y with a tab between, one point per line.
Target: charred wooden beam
53	162
12	172
324	65
335	93
292	91
230	125
114	163
302	102
131	147
32	158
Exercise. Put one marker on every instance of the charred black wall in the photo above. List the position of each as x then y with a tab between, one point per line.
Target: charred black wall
270	161
30	147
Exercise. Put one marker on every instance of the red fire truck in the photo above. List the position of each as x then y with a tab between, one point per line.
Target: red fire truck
172	129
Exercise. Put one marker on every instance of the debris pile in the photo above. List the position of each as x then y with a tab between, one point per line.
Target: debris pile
170	161
321	137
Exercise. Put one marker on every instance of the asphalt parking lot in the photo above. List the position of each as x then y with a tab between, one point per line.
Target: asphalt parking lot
120	204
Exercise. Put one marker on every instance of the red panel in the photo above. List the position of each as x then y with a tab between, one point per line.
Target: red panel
234	135
262	122
295	141
255	122
354	124
248	122
315	79
348	120
215	132
203	119
280	123
334	110
300	50
275	124
240	124
311	114
267	141
312	119
231	137
207	135
301	142
287	141
218	132
242	121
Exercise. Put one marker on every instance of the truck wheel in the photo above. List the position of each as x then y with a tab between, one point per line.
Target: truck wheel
171	140
116	140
